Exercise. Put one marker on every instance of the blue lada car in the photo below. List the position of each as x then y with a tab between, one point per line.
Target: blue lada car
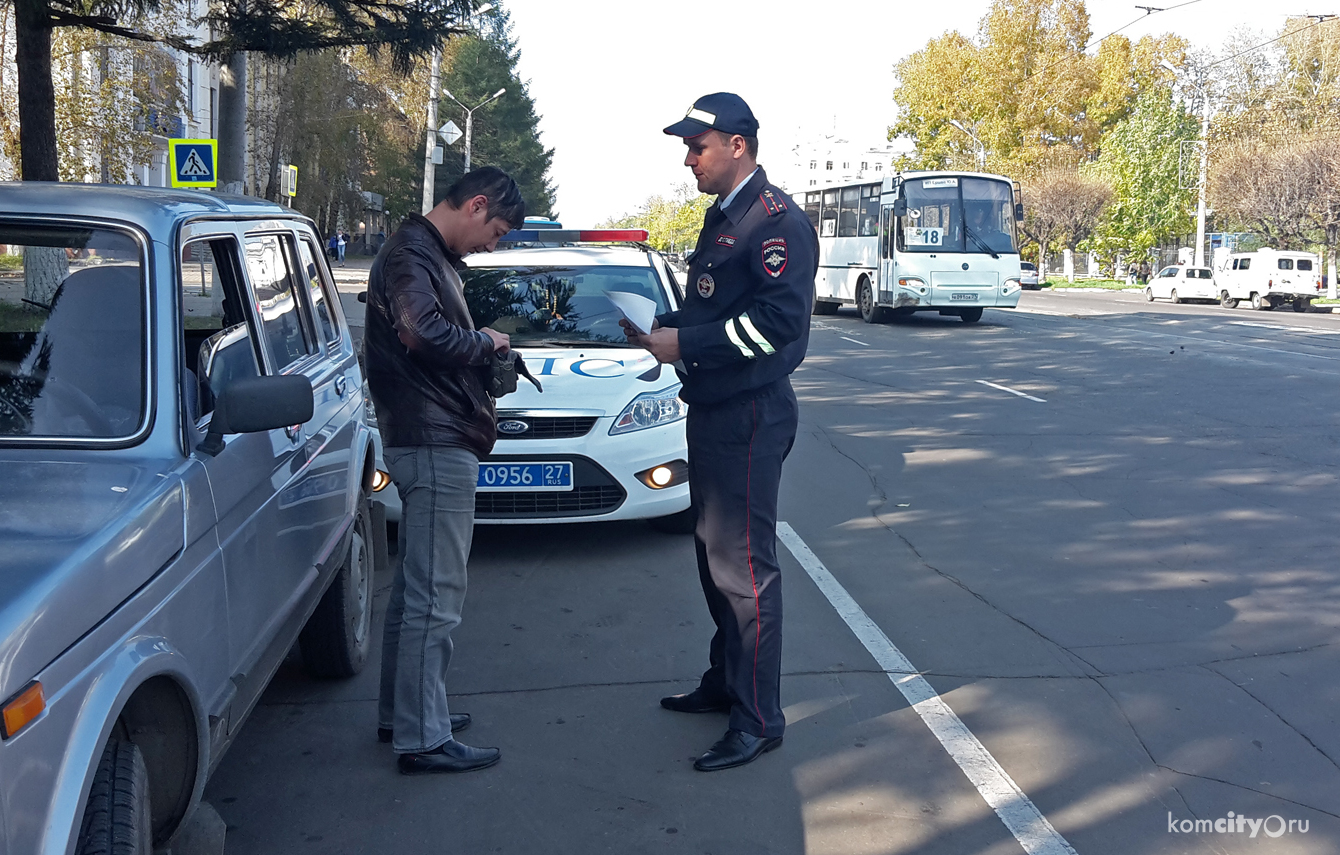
185	474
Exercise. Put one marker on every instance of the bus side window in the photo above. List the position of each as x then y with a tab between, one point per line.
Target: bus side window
812	209
886	238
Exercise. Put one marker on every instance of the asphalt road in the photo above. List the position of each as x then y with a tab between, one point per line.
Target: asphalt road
1116	569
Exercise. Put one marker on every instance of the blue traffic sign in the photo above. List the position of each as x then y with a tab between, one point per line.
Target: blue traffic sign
193	162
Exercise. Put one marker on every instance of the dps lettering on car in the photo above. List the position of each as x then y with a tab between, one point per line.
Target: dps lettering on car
746	322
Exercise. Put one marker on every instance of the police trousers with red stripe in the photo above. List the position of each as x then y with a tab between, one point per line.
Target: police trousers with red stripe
736	450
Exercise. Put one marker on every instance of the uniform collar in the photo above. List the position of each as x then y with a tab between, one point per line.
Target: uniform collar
746	195
730	197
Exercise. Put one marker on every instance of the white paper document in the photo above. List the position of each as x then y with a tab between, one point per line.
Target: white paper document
638	310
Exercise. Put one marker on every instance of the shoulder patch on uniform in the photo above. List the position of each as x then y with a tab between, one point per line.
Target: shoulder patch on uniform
774	256
772	203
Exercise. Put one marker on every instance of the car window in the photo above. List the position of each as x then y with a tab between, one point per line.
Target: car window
1244	263
320	291
272	283
72	334
1304	264
1285	264
556	304
1168	272
219	346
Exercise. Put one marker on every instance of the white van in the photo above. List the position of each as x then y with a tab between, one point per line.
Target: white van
1269	278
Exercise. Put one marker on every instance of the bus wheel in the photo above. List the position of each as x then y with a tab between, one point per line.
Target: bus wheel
971	316
865	301
1226	301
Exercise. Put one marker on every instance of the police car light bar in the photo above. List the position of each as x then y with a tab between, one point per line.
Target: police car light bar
575	235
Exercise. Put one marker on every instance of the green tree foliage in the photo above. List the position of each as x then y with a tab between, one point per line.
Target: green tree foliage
1025	87
506	132
672	222
277	28
1140	161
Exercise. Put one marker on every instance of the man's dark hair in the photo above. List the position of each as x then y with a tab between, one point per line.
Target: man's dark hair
504	196
750	143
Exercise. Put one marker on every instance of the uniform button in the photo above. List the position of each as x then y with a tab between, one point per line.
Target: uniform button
709	264
695	365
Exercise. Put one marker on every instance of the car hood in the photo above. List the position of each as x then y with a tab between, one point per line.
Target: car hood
79	538
600	379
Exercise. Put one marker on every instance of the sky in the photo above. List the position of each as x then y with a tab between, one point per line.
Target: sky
608	75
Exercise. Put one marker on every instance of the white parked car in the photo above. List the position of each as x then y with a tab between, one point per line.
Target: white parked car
1270	277
1028	275
605	439
1178	283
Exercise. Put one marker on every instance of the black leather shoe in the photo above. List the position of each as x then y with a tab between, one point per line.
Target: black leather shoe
451	756
736	748
459	721
696	701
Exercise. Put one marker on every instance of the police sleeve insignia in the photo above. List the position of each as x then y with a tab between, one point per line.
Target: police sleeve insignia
774	256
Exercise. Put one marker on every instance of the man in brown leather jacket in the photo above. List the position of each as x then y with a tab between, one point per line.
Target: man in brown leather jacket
425	365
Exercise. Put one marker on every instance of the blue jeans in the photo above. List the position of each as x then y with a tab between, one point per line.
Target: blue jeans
437	495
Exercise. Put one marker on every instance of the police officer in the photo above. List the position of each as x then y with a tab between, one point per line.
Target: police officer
743	329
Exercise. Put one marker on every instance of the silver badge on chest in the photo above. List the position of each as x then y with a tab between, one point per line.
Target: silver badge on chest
706	287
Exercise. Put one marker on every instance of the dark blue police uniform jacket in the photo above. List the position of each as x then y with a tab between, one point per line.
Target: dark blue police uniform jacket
745	322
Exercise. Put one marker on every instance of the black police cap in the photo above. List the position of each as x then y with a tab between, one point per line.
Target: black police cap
720	111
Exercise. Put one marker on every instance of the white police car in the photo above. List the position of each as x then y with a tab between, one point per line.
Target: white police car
605	440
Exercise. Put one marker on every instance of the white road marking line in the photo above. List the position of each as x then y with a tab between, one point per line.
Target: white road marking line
1034	833
1011	391
854	341
1288	329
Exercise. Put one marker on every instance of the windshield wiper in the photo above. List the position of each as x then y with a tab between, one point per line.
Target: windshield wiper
569	342
981	244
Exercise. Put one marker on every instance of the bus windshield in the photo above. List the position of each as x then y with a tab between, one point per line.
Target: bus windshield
958	214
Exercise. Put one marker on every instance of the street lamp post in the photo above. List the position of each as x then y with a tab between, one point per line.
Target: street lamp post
429	173
981	146
470	119
1198	258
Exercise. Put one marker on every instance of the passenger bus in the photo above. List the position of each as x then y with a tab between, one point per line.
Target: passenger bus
917	241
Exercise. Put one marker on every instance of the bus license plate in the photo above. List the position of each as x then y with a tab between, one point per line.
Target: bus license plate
524	477
962	296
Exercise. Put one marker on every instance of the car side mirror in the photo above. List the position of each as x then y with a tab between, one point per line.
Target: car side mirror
900	208
256	404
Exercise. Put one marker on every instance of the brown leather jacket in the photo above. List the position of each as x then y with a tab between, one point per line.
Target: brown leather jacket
423	356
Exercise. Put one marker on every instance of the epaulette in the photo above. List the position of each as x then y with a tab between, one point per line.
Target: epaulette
772	203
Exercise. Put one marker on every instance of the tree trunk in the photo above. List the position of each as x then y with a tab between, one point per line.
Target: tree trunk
233	124
44	268
37	94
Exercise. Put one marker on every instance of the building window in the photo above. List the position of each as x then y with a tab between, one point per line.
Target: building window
190	88
864	166
879	167
846	165
829	166
814	164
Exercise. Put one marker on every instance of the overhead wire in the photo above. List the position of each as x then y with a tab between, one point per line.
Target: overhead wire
1094	42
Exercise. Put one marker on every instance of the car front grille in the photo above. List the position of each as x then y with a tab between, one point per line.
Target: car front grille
594	492
547	427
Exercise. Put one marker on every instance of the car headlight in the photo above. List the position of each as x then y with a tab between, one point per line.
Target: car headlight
651	409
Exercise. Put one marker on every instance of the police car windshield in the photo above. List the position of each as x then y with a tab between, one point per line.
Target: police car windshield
72	354
553	306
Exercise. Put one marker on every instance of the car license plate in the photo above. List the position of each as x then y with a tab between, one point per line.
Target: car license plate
962	296
523	477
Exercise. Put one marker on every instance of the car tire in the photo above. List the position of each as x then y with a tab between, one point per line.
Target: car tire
117	819
971	316
1302	304
1149	295
338	635
1226	301
683	522
865	303
1173	296
1260	303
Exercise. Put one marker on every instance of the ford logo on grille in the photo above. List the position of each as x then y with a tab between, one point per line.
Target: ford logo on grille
513	426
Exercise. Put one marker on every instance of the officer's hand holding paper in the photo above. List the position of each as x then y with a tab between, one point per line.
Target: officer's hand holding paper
636	309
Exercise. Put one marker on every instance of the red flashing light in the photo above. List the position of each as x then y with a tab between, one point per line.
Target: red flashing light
635	235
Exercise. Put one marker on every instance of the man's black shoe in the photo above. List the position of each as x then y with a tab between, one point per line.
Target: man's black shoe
451	756
696	701
459	721
736	748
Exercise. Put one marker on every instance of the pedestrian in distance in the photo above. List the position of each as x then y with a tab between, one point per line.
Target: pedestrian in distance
742	330
340	240
426	367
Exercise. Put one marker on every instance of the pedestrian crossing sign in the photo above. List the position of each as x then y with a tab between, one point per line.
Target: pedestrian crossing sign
193	162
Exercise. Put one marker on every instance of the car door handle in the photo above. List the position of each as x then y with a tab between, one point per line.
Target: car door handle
341	384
